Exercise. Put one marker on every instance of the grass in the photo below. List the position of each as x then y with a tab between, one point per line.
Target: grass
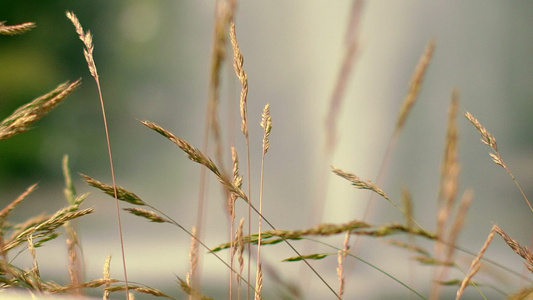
250	273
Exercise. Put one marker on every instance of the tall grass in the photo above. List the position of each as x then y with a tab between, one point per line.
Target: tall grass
252	274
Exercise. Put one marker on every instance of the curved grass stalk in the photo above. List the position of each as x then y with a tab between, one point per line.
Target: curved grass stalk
87	39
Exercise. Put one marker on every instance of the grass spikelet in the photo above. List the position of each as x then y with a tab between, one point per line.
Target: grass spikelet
16	29
238	62
35	270
488	139
414	85
106	273
192	292
141	289
239	244
266	123
26	115
4	213
341	257
147	214
198	157
121	193
361	184
87	39
193	260
523	251
458	223
258	283
314	256
476	263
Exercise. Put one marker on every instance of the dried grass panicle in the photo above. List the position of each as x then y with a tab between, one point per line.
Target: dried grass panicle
107	276
359	183
486	137
238	62
4	213
258	283
26	115
415	84
523	251
458	223
147	214
122	193
192	292
140	289
43	227
476	263
239	243
87	40
354	227
193	258
449	167
341	257
15	29
198	157
266	123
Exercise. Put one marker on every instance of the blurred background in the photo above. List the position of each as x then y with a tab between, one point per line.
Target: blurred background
154	57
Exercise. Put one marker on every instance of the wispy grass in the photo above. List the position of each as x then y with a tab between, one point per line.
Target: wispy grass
87	39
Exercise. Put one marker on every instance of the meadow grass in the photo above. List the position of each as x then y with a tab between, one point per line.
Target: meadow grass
246	279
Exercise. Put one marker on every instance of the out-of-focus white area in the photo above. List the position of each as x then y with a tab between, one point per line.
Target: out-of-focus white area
154	60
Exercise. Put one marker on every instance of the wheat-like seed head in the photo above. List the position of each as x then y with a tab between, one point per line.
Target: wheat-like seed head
24	116
359	183
523	251
415	84
238	62
15	29
476	263
266	123
87	40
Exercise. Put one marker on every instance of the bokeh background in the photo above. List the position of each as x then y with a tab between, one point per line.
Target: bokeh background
153	58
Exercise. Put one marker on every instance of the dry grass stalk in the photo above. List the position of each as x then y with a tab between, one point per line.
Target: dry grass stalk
35	270
239	244
523	251
16	29
258	283
106	273
351	50
341	257
476	263
488	139
238	62
354	227
232	197
147	214
26	115
449	168
414	85
87	39
458	223
449	182
74	265
193	260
